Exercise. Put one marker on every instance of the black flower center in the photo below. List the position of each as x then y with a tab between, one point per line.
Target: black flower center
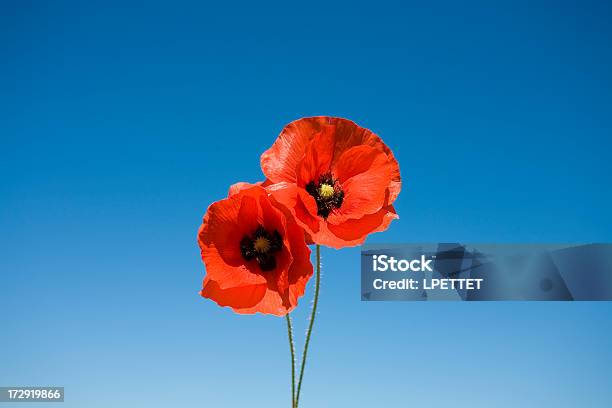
327	192
261	246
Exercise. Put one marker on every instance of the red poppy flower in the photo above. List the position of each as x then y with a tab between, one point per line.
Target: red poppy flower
336	178
256	258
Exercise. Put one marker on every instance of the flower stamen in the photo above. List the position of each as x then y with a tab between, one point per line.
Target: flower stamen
327	193
261	246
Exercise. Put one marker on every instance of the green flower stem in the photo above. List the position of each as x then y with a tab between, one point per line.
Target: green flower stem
312	319
292	348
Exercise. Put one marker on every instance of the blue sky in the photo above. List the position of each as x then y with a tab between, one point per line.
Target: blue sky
120	122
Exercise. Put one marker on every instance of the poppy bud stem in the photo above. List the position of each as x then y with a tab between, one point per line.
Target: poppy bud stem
312	318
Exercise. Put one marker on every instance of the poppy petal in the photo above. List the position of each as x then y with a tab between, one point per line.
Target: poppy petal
364	193
246	300
280	162
238	187
301	270
220	228
318	156
357	160
354	231
237	297
298	203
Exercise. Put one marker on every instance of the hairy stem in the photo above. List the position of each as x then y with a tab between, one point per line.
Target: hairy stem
292	348
312	319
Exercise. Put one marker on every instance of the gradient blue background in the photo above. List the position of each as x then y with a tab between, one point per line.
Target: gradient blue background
121	122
